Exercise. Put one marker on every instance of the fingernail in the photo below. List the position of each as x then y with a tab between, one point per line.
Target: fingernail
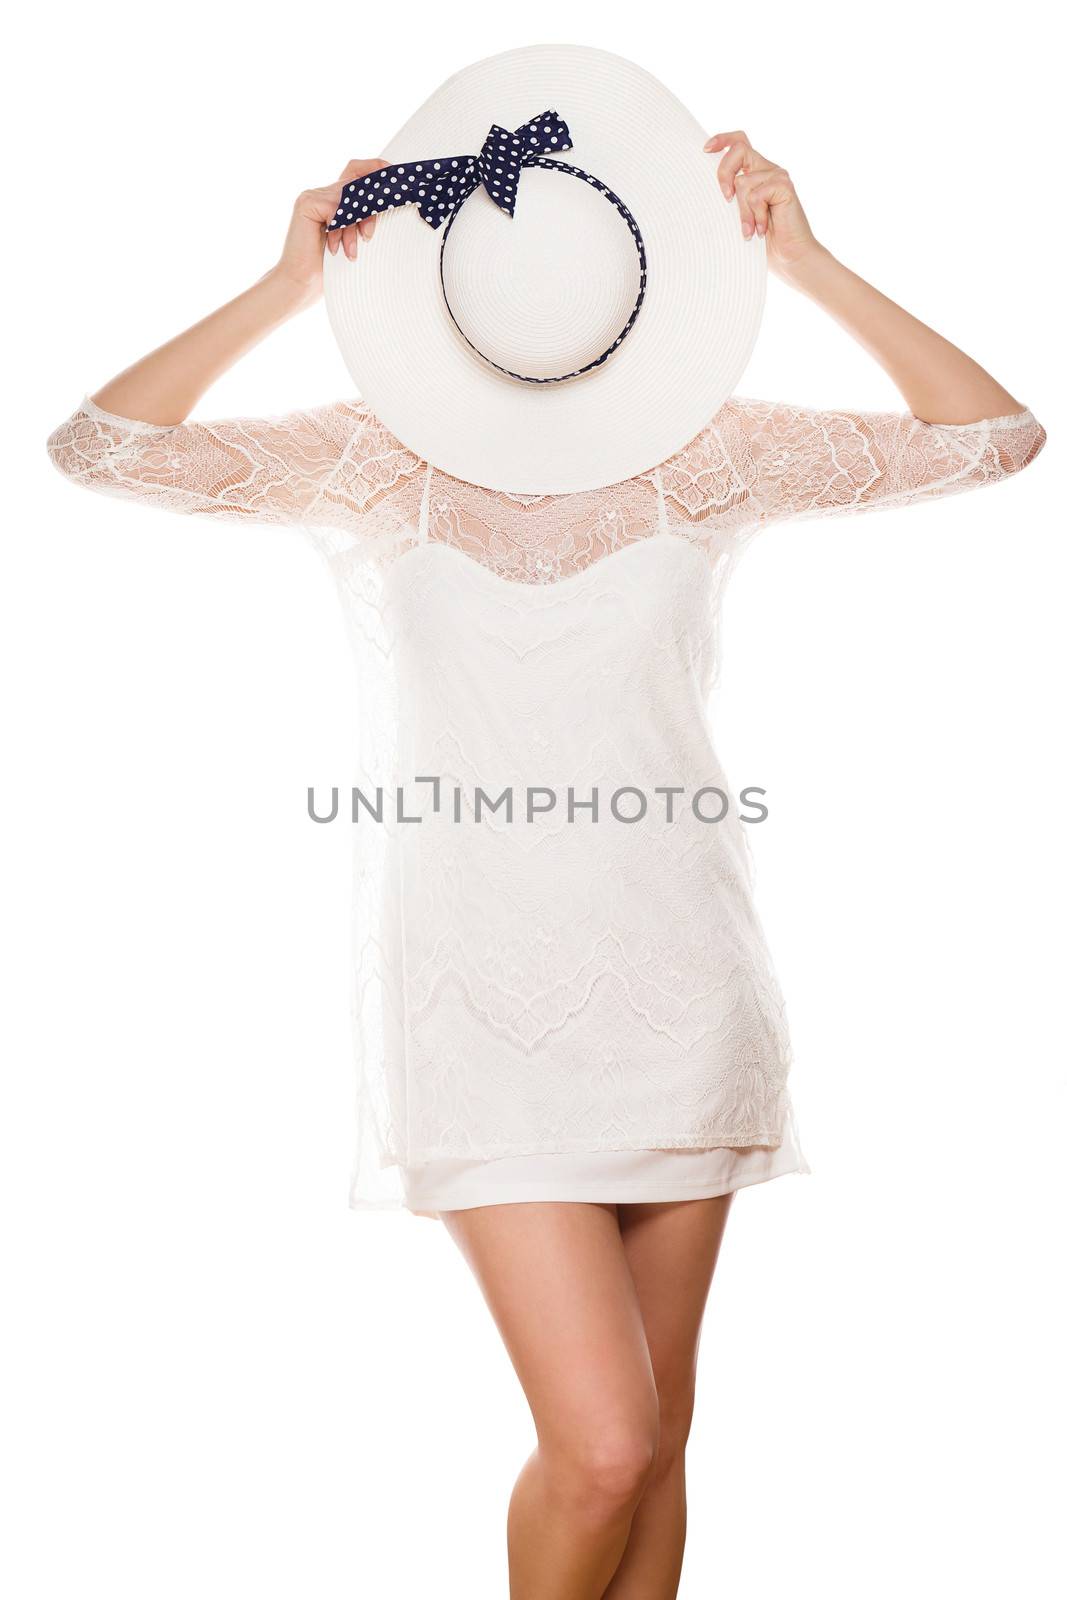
725	187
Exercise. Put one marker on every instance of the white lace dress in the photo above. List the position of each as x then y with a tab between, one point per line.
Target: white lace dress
548	1003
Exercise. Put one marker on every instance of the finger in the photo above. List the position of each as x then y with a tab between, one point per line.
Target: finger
737	149
325	214
331	205
719	141
733	164
324	204
366	227
758	197
767	190
744	207
342	239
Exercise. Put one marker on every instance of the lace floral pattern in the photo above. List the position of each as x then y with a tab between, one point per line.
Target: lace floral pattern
545	983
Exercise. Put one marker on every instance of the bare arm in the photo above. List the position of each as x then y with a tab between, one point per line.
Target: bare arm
939	382
131	438
164	386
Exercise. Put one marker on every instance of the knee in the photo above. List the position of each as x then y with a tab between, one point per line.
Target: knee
605	1473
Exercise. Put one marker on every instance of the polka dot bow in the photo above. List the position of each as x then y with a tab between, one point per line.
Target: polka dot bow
439	188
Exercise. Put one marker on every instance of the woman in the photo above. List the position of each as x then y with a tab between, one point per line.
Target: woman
599	1301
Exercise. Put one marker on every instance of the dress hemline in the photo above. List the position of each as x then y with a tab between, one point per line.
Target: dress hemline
651	1193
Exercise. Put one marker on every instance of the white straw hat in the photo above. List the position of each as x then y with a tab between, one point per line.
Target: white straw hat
532	333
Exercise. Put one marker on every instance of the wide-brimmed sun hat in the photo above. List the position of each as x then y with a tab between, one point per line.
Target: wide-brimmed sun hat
557	296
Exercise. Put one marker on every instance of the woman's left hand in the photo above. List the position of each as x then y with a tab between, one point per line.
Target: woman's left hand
766	201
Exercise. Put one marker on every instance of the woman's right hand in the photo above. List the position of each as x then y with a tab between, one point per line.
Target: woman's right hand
300	262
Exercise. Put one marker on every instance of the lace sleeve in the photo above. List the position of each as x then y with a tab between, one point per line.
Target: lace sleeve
323	468
806	463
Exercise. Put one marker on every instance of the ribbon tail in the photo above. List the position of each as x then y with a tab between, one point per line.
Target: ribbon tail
435	187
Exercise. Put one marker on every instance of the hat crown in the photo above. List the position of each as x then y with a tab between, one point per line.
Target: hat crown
546	291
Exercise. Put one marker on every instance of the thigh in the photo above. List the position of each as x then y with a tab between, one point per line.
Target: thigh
557	1281
671	1251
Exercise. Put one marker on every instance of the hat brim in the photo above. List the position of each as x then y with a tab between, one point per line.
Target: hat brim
685	353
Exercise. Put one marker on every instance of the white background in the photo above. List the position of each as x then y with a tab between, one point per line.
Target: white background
223	1383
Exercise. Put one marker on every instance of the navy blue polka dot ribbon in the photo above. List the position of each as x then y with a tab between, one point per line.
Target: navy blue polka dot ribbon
439	187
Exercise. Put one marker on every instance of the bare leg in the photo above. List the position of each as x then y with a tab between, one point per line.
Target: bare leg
672	1250
557	1282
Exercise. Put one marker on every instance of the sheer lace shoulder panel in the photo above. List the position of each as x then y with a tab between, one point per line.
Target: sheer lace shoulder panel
538	539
